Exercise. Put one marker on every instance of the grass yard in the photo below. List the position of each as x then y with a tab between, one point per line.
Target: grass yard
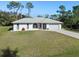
39	43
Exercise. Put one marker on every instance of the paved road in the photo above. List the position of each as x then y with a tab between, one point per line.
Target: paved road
69	33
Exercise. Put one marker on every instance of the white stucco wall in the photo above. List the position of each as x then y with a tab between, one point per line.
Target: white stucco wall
14	27
59	26
30	26
21	26
52	27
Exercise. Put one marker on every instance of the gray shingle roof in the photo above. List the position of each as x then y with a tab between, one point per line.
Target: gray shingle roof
36	20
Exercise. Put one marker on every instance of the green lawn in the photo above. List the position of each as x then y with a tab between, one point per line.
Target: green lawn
39	43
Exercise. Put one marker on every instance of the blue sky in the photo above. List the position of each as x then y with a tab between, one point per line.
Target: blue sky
43	7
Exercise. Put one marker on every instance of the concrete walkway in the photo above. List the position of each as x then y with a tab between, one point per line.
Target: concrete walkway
69	33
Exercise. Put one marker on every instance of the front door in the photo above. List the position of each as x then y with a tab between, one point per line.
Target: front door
44	26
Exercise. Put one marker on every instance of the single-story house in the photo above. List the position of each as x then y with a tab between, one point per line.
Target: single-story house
37	23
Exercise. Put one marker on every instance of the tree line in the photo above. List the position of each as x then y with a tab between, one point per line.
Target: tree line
7	17
70	18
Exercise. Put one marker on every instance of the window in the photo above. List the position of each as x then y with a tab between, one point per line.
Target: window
35	25
27	26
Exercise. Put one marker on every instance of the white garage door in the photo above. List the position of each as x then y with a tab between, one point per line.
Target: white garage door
54	26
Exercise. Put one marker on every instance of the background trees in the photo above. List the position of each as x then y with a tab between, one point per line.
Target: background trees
62	13
7	17
46	16
4	18
29	5
54	17
69	18
15	6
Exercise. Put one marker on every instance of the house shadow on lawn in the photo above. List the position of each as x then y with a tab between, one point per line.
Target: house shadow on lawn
9	53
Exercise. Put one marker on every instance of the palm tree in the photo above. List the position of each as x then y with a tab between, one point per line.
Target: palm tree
29	6
62	13
62	7
62	10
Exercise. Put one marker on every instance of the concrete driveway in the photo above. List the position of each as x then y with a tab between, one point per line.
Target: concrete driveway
69	33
